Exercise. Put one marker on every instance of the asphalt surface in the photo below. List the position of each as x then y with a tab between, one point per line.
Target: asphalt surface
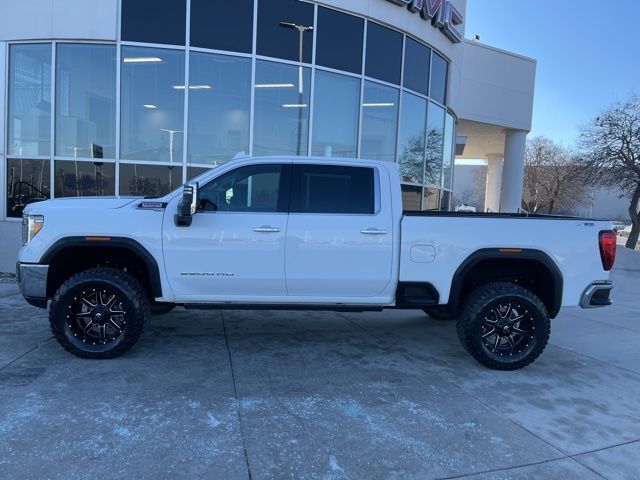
239	394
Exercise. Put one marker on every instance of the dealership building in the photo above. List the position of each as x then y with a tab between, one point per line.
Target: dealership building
134	97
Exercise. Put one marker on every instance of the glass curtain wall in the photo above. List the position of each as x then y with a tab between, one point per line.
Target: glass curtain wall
387	104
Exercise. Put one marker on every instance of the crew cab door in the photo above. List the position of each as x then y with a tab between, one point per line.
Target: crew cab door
234	248
339	240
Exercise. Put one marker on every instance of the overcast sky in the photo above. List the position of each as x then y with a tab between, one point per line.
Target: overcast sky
588	54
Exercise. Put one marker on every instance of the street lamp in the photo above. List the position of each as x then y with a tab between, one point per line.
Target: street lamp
302	29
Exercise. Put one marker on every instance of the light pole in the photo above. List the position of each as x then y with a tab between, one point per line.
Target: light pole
302	29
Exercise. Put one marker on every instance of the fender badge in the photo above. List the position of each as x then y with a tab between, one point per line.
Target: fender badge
152	205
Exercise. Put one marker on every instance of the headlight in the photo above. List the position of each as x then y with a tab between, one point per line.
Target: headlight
31	225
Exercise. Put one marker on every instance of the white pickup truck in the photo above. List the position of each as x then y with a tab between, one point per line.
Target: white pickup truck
307	233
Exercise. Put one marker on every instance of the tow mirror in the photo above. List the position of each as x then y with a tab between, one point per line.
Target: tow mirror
188	205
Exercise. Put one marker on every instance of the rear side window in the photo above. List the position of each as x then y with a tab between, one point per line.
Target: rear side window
332	189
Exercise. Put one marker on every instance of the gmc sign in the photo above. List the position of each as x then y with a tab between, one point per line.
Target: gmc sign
441	13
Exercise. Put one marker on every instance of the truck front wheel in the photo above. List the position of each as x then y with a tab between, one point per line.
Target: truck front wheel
503	326
99	313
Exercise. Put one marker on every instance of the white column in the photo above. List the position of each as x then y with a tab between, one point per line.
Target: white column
513	173
494	183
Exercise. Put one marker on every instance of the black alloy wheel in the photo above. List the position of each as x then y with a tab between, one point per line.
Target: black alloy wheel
99	313
503	326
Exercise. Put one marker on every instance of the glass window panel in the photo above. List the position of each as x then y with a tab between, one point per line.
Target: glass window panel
222	25
152	104
332	189
255	188
438	90
447	152
219	106
335	115
282	102
417	60
28	181
84	179
29	118
379	122
146	180
154	21
340	40
431	199
411	142
193	172
433	144
445	200
411	197
86	101
384	53
277	41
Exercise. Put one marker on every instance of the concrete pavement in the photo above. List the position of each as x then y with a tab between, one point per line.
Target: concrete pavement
239	394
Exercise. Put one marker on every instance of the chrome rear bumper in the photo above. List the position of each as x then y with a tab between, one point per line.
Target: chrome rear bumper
32	279
597	294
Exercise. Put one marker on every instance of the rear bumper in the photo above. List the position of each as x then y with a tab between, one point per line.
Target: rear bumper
597	294
32	279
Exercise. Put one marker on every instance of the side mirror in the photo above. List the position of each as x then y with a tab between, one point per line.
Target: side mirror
188	205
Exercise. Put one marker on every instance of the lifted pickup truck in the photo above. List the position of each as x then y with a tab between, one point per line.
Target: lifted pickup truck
307	233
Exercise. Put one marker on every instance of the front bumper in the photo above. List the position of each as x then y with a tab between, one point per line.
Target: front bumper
32	279
597	294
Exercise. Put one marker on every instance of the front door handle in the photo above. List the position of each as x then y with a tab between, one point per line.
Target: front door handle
373	231
266	229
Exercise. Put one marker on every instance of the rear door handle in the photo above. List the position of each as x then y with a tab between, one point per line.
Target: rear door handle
373	231
266	229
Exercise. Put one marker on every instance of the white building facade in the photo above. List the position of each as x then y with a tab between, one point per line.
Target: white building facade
134	97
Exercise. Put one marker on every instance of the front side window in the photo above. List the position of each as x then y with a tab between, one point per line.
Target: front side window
29	119
255	188
332	189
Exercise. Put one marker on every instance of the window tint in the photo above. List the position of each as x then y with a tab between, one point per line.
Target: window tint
27	181
384	53
29	119
255	188
84	179
282	100
154	21
335	115
379	122
222	25
149	180
219	105
85	100
340	40
277	41
438	90
417	60
332	189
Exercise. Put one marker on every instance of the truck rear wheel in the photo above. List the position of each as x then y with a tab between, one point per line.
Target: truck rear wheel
99	313
503	326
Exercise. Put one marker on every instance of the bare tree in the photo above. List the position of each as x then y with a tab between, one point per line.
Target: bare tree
610	146
553	178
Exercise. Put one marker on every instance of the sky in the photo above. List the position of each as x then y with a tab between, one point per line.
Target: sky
588	54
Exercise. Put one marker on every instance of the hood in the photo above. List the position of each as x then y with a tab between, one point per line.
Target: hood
80	203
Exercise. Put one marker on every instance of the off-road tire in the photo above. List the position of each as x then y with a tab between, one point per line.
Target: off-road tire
486	299
133	299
